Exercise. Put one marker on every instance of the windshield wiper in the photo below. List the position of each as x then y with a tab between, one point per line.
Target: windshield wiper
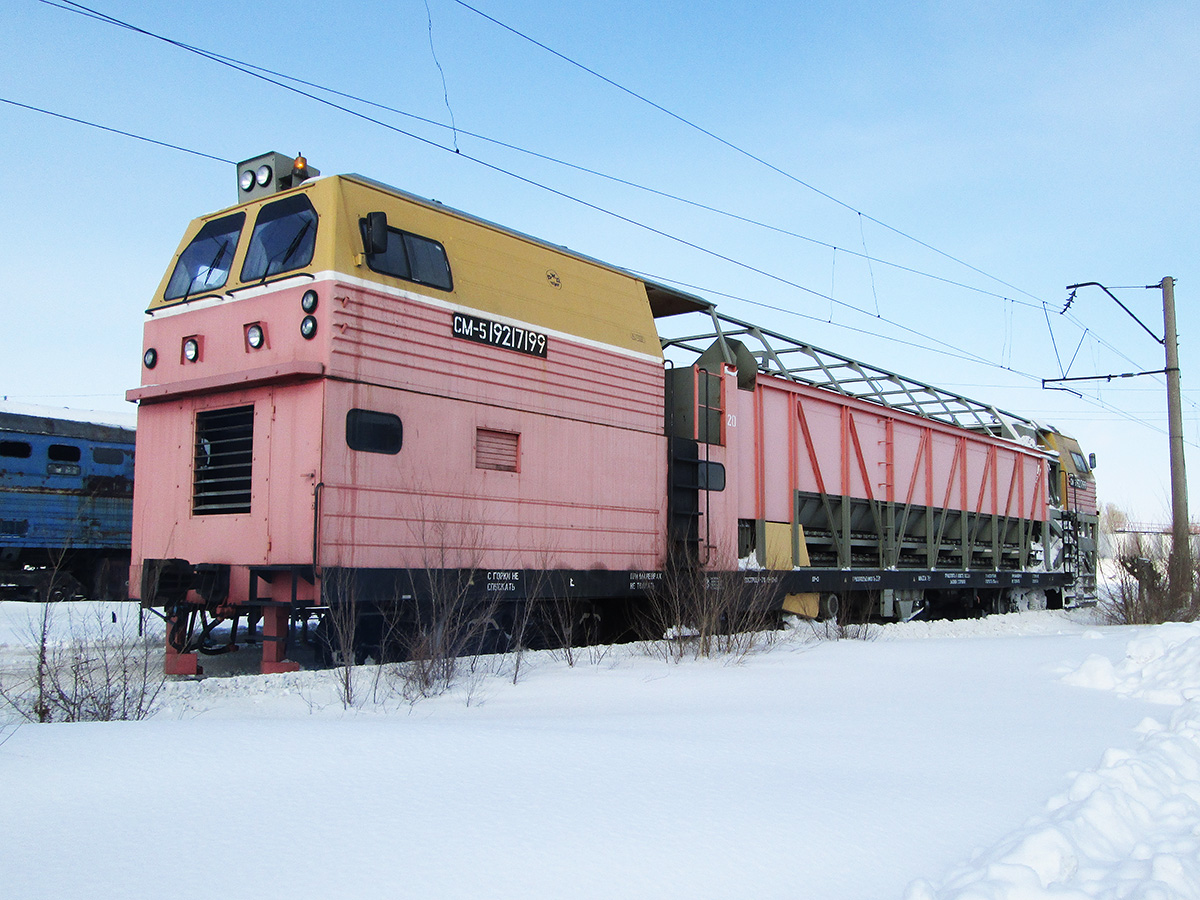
216	260
291	248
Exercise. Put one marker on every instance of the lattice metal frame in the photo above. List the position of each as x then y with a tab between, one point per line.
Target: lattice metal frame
777	354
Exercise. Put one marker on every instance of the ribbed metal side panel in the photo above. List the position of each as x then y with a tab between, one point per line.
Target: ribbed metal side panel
398	342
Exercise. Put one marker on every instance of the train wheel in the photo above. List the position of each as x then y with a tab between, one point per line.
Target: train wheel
828	606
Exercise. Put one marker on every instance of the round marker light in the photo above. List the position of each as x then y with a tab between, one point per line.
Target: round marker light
246	180
255	337
263	176
308	328
150	358
191	349
308	302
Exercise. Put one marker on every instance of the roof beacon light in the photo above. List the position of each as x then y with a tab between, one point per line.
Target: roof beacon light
300	169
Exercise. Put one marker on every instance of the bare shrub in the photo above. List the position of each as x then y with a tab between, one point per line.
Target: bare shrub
700	614
562	623
1141	594
833	629
448	630
103	668
845	617
340	592
522	635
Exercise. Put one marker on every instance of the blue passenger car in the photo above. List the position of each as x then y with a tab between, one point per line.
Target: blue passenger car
66	508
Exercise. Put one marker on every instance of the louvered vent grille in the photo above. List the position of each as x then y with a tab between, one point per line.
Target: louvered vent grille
496	450
224	450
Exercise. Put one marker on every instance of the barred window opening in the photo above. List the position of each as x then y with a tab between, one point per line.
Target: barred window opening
224	453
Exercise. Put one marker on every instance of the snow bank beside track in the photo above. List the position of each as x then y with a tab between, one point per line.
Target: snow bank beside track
1129	828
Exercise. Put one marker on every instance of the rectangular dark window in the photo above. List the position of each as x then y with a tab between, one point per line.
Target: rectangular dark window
374	432
711	476
496	450
108	456
16	449
63	453
224	453
411	257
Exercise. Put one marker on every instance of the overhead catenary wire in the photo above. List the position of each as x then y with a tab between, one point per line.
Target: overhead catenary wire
750	155
239	65
526	180
128	134
739	149
254	71
77	8
1096	401
952	352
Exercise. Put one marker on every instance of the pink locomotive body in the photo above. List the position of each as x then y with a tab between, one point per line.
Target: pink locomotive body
346	384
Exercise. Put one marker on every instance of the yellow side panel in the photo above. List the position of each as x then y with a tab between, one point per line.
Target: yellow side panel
777	554
504	274
806	605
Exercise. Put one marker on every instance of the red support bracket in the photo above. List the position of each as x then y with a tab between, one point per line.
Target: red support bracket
274	640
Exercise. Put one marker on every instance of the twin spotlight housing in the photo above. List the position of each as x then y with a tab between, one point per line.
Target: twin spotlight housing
271	173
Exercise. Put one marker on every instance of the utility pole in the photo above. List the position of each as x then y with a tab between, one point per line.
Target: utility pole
1180	565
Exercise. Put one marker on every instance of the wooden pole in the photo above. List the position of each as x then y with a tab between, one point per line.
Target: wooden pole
1180	565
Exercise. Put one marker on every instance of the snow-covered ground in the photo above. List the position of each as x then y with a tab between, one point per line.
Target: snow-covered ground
1024	756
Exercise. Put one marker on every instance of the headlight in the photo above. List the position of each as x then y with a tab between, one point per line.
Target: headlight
308	328
191	349
308	302
150	358
246	180
263	176
255	336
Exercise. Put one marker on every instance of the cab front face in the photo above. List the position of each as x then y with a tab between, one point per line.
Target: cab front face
1072	482
249	246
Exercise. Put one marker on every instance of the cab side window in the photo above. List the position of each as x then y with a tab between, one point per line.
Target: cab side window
413	258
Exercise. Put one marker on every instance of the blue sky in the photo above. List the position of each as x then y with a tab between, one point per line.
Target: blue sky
1041	143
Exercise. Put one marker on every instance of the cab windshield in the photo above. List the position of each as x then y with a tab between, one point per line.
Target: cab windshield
205	264
283	239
